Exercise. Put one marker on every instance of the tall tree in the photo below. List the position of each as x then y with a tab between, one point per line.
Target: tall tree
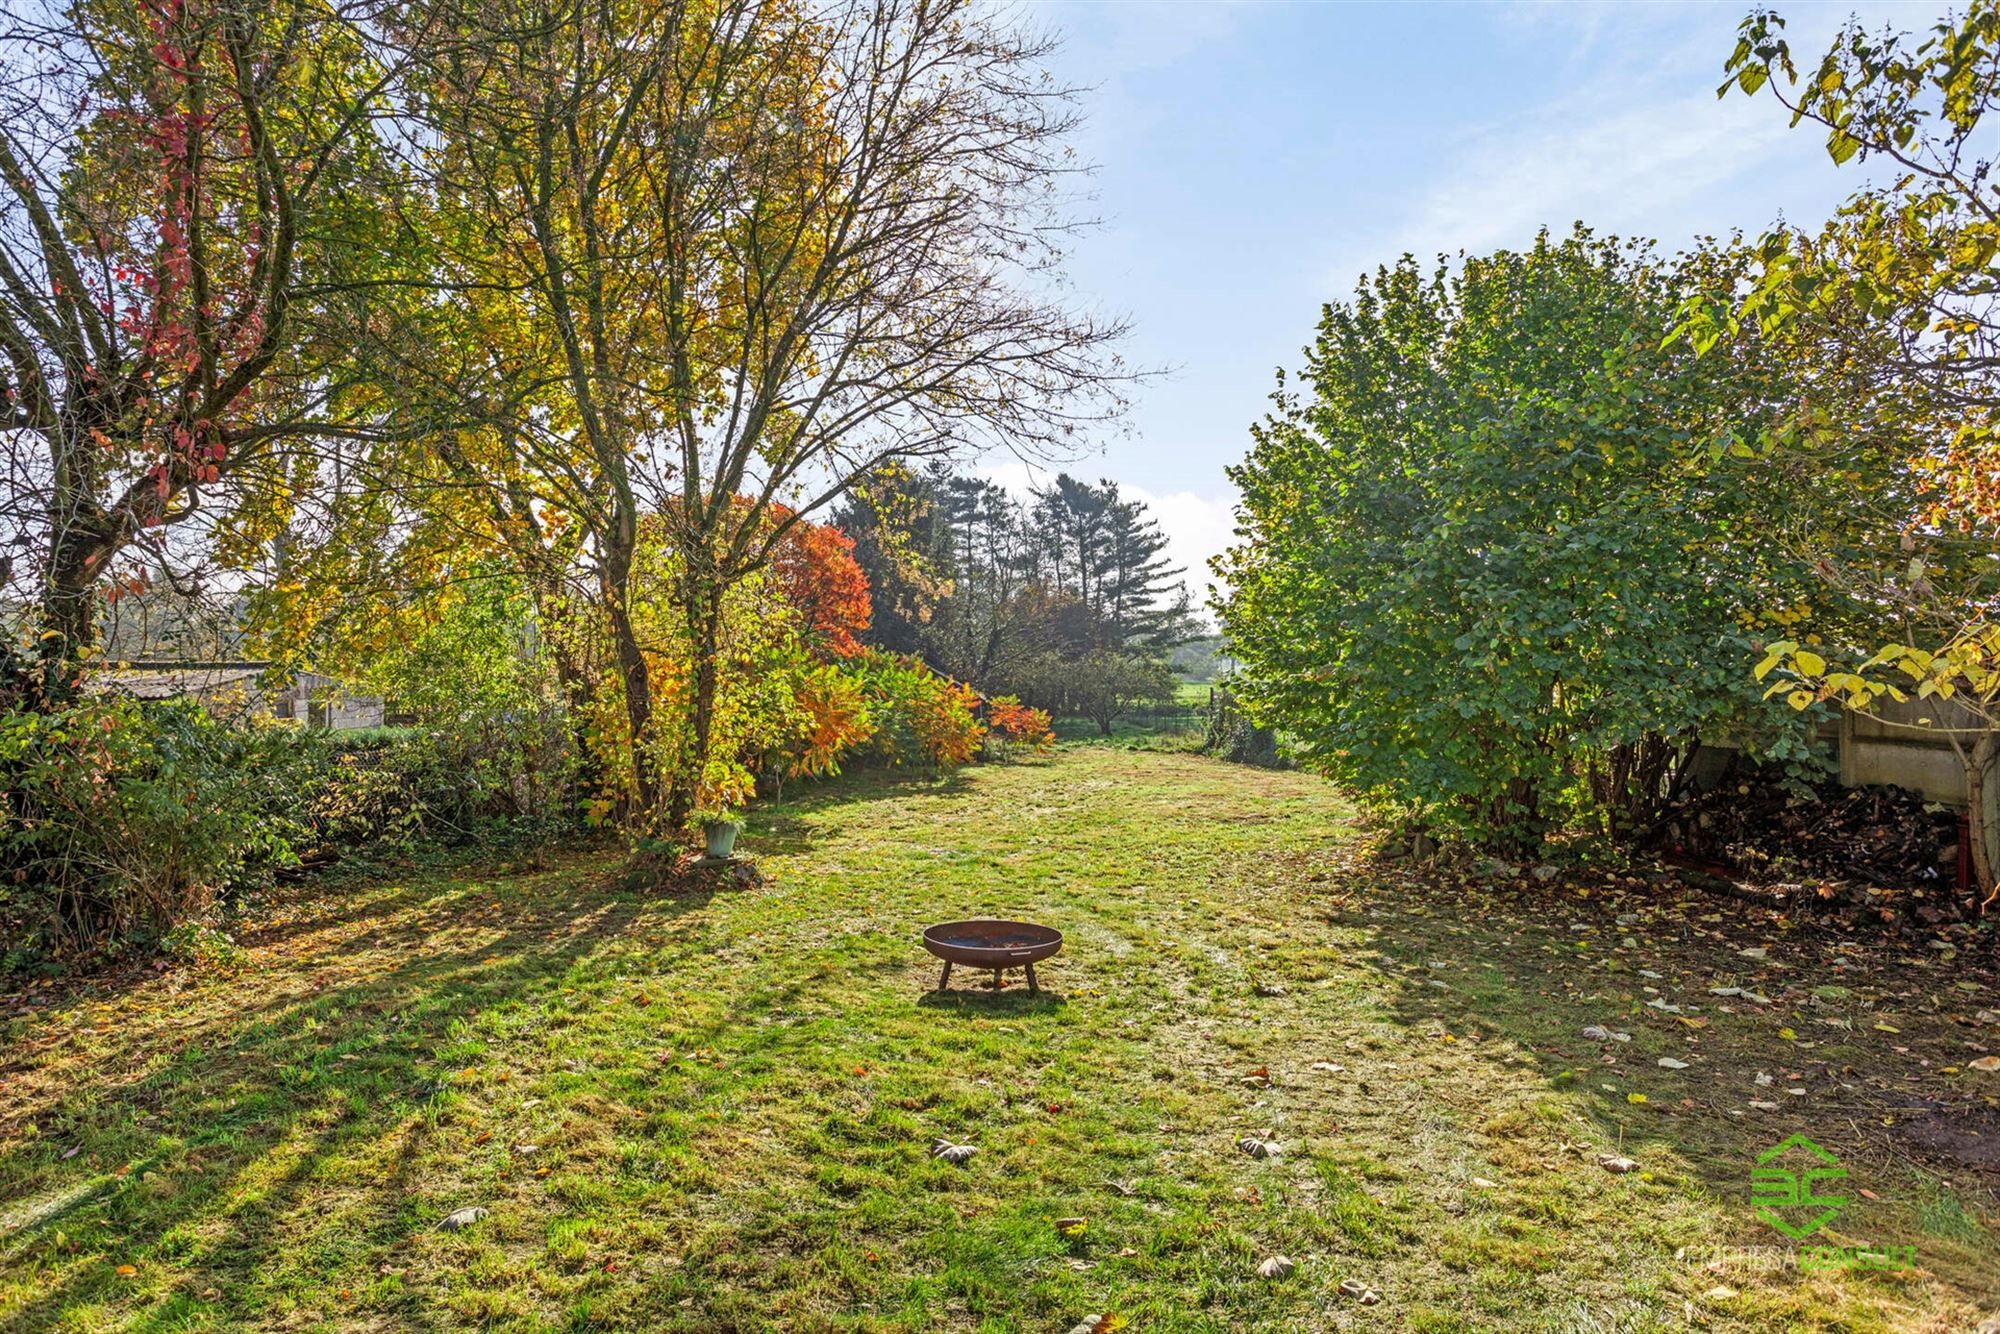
773	247
880	241
1145	602
189	206
1105	552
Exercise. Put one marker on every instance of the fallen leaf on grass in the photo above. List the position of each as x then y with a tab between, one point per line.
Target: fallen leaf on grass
955	1154
1612	1162
1669	1063
1098	1324
1359	1291
127	1271
1071	1227
1986	1065
1278	1266
1260	1148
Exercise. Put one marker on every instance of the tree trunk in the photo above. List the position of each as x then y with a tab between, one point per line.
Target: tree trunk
572	683
1977	766
705	627
638	706
617	584
68	612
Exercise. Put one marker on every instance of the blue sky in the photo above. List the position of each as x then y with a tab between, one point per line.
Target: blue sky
1254	159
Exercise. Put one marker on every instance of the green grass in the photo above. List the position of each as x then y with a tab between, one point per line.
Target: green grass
714	1113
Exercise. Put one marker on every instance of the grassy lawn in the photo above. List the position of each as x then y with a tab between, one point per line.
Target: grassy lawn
714	1112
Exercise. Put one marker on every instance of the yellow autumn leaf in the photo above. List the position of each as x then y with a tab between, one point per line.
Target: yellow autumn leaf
1787	1034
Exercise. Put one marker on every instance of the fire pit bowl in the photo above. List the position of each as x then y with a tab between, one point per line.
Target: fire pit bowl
989	943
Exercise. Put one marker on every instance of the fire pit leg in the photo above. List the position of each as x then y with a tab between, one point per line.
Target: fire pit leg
1031	978
944	979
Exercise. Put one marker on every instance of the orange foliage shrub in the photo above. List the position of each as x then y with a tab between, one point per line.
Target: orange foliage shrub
830	718
1016	724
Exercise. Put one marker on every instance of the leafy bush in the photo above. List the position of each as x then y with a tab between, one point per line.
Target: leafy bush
828	717
1495	559
205	947
446	784
920	717
1231	736
1013	725
122	819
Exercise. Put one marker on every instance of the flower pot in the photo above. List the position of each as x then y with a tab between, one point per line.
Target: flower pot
722	837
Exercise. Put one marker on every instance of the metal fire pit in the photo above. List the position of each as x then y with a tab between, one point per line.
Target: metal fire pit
991	944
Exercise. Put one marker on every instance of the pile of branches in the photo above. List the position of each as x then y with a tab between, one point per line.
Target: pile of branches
1885	851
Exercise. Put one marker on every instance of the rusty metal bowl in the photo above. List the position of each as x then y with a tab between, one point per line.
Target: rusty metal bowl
991	943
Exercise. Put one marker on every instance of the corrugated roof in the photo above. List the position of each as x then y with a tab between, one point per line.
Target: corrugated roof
170	682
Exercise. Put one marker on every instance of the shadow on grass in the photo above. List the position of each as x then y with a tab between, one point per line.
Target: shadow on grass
247	1113
1501	964
784	827
245	1104
987	1003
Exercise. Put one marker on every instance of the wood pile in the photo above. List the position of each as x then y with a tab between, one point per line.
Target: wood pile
1883	849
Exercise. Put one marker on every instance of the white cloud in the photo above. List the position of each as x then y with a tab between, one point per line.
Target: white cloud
1197	527
1638	145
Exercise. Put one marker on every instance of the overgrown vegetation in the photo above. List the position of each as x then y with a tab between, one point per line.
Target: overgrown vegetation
1500	569
122	820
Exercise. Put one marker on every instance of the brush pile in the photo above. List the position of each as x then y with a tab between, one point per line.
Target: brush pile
1885	848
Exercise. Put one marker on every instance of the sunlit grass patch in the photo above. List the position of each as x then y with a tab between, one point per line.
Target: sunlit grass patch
709	1113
